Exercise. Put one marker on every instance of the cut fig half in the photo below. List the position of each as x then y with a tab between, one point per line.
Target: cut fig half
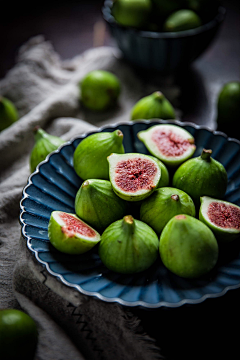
70	235
133	176
169	143
222	217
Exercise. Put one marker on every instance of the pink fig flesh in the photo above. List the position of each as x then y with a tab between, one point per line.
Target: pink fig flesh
73	226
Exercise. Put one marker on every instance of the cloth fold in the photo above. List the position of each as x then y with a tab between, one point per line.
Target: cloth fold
46	92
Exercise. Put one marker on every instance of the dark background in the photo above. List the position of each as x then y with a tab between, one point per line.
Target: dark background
203	331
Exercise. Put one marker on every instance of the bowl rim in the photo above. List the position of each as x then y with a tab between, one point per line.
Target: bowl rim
217	20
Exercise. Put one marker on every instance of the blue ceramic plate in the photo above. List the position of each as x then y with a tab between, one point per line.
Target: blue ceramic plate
53	186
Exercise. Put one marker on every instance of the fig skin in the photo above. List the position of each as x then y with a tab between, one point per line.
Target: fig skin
71	243
188	248
99	90
201	176
163	204
44	145
97	204
90	157
128	246
164	179
160	140
129	171
184	19
222	234
154	106
8	113
132	13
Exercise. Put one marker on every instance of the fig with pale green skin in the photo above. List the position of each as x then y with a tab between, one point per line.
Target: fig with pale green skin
133	13
201	176
222	217
164	180
187	247
70	235
44	145
133	176
184	19
90	156
128	246
169	143
97	204
8	113
163	204
99	90
154	106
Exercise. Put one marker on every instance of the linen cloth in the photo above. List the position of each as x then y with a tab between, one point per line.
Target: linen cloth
46	92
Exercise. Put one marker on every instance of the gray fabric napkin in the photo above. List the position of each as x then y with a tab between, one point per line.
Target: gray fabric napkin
46	93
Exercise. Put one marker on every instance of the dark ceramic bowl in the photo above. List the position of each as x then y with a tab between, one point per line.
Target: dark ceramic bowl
165	52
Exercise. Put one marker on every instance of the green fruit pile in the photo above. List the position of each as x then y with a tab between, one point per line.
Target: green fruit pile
138	207
162	15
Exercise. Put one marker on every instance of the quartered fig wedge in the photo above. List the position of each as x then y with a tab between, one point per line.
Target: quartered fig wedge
70	235
188	248
222	217
90	156
170	143
163	204
128	246
133	176
98	205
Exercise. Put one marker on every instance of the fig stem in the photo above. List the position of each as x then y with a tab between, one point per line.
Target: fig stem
175	197
206	154
128	224
158	95
38	132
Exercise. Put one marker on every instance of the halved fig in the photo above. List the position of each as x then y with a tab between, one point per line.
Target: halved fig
70	235
222	217
133	176
169	143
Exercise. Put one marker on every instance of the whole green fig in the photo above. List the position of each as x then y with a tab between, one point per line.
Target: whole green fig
44	145
201	176
154	106
188	248
133	13
97	204
8	113
184	19
128	246
90	157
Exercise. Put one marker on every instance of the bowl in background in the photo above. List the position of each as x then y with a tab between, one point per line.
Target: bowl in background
165	52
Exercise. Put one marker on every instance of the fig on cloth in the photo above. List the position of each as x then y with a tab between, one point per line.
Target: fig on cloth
44	145
154	106
70	235
8	113
188	248
163	204
97	204
133	176
201	176
222	217
90	156
184	19
99	90
170	143
128	246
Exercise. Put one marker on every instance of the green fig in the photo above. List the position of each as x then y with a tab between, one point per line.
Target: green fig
70	235
184	19
153	106
18	335
44	145
133	176
8	113
133	13
128	246
99	90
90	156
169	143
97	204
166	7
164	180
163	204
201	176
187	247
222	217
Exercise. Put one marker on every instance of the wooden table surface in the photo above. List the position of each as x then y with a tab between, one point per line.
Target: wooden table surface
207	329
